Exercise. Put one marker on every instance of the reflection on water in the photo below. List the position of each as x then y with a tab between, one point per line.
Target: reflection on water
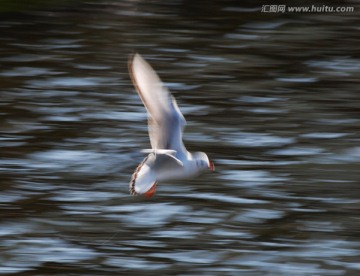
273	99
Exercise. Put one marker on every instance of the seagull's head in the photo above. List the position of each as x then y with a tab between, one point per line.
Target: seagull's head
202	161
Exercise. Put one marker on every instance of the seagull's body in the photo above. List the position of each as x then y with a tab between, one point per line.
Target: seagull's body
168	158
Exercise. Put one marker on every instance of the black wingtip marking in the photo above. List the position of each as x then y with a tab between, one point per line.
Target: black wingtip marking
134	176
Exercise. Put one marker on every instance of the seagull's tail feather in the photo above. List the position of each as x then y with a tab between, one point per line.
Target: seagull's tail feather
170	153
159	151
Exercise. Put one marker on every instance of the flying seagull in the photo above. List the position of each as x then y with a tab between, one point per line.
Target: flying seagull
168	158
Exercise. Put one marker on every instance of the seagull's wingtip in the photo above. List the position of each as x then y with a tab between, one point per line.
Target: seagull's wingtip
134	56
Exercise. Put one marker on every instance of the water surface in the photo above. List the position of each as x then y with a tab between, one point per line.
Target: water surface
272	98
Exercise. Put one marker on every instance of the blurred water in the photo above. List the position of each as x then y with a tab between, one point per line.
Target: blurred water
272	98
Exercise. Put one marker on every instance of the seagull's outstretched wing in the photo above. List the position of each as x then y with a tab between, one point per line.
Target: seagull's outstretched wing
166	122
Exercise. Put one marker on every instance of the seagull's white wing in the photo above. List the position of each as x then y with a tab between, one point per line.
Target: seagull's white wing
166	122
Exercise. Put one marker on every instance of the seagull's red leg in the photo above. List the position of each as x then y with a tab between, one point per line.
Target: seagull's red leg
151	191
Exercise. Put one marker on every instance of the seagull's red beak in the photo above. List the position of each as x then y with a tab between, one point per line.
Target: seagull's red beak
211	166
151	191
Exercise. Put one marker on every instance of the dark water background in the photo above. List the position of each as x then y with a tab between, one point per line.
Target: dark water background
273	98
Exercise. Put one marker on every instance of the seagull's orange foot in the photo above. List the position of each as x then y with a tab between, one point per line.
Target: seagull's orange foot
151	191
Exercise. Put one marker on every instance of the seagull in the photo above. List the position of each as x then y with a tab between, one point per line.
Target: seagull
168	158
